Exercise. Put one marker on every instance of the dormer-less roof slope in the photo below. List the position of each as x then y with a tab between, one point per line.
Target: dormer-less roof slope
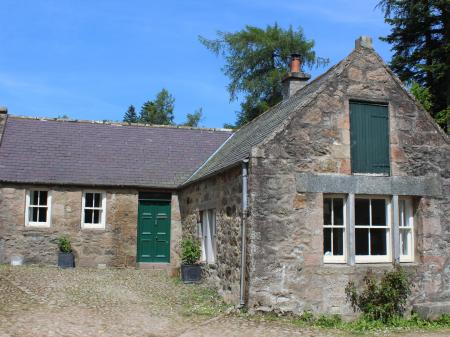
96	154
239	146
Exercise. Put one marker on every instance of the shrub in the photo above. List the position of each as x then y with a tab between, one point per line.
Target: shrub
64	244
382	300
190	250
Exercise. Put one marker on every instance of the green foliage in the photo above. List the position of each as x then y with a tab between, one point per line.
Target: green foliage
384	300
194	118
361	325
131	115
256	60
64	244
159	111
422	95
190	250
420	31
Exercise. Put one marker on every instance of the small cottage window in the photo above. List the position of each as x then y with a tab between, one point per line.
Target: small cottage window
406	227
93	214
207	233
37	212
372	230
334	220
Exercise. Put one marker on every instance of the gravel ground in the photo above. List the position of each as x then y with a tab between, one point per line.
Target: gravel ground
46	301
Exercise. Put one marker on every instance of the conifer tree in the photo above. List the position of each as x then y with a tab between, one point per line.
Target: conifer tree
131	115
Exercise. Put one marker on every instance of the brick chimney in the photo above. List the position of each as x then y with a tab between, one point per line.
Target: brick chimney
295	78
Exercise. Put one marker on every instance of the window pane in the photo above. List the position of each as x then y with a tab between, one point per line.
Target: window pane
327	212
43	198
42	214
405	241
362	212
327	242
87	216
33	214
89	199
97	199
338	241
96	216
378	212
401	212
338	205
34	197
362	241
378	241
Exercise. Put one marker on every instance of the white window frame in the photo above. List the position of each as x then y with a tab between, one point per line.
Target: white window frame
388	227
207	233
406	215
337	258
29	223
102	209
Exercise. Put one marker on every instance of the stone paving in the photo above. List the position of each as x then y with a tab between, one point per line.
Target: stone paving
45	301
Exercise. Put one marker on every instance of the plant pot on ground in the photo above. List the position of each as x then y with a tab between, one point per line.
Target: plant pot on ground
65	255
191	270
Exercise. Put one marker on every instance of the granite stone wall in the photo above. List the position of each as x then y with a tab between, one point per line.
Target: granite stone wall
286	271
223	193
114	246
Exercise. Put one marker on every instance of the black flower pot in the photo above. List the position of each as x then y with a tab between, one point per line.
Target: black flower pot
191	273
66	260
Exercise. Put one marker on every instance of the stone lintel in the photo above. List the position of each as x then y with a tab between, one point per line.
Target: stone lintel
362	184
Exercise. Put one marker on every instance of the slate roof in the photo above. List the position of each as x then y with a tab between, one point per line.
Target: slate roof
239	146
98	154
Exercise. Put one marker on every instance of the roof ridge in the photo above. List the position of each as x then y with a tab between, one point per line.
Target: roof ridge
106	122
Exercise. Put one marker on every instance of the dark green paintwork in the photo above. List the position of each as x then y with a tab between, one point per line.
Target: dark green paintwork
369	133
153	231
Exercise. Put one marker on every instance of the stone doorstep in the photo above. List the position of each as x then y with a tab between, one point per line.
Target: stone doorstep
170	269
432	310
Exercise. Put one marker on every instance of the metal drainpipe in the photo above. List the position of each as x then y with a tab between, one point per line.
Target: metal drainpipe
243	230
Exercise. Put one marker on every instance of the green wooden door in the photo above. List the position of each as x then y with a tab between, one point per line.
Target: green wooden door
369	132
153	231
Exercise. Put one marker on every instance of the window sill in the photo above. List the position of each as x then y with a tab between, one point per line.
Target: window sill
83	227
37	225
371	174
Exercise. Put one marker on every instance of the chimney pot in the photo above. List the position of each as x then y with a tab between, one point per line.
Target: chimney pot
295	78
295	63
3	110
363	41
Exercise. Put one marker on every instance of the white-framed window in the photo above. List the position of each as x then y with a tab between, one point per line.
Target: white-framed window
406	228
94	210
334	225
372	229
38	208
207	233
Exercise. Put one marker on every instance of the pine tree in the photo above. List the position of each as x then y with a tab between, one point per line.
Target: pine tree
420	39
130	116
159	111
256	60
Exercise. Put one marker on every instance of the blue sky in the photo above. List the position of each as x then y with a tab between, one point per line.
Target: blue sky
92	59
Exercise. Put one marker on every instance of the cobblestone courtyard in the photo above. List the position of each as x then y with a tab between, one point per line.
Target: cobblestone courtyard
45	301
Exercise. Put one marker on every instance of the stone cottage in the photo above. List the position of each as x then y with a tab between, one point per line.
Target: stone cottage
347	173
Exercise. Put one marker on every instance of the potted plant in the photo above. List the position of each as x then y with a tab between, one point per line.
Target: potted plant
191	271
65	255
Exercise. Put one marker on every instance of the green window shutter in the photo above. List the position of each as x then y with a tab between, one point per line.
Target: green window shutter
369	133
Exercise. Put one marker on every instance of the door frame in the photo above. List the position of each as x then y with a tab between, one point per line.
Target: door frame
155	197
